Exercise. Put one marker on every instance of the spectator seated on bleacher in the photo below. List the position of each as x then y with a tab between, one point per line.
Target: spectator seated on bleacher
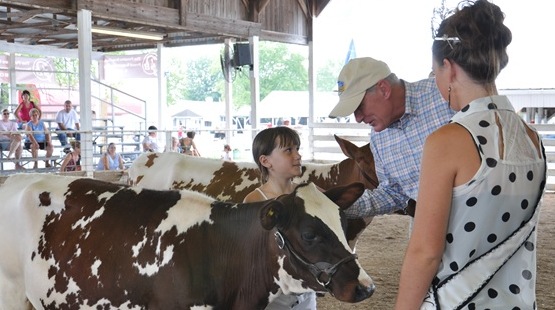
39	138
24	108
67	119
10	141
72	161
150	142
110	160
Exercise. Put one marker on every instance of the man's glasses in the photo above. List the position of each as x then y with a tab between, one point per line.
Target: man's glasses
6	113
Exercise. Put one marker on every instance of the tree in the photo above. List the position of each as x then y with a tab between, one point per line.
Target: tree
202	76
176	85
280	69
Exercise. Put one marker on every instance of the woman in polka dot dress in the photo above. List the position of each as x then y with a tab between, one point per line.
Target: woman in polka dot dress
473	244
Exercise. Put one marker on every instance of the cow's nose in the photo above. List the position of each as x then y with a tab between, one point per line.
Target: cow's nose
364	292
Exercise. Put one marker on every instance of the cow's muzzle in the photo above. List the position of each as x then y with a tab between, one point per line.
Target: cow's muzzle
322	271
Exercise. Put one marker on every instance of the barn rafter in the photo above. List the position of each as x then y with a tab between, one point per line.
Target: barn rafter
179	22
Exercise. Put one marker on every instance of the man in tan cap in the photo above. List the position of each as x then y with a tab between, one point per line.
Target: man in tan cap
401	114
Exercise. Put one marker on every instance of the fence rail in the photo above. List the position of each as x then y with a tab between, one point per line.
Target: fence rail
359	134
318	143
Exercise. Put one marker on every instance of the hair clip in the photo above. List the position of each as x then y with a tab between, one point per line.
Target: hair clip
447	39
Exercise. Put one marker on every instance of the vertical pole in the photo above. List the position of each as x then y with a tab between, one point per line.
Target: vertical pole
255	84
85	47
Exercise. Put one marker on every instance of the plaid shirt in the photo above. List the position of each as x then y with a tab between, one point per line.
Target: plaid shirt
398	150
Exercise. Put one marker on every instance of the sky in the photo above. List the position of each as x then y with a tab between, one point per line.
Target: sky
399	33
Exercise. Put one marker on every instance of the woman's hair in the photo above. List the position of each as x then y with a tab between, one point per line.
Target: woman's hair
109	146
34	110
191	134
476	39
269	139
25	92
75	144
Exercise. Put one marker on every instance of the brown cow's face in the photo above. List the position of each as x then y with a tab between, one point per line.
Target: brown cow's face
310	239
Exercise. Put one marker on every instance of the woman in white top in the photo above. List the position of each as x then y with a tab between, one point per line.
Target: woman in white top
11	140
473	243
227	154
110	160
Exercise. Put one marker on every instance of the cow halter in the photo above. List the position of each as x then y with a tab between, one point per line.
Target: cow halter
322	271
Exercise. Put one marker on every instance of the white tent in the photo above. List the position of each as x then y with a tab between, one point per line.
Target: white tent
295	104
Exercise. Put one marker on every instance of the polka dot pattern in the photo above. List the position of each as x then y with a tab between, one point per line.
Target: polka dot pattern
501	196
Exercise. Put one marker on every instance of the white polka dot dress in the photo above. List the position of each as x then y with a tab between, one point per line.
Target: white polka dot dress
489	208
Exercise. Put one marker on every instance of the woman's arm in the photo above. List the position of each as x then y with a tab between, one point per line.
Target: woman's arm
16	113
120	162
195	147
66	162
30	135
105	162
427	241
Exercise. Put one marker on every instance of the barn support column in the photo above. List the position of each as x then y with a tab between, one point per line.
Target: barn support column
541	116
530	115
255	84
227	78
13	81
85	113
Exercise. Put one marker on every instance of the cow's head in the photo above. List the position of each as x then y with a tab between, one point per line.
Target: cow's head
359	165
311	244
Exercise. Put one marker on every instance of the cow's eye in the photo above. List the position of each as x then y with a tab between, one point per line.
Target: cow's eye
308	236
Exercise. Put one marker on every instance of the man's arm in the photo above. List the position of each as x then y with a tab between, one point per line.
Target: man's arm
60	121
76	118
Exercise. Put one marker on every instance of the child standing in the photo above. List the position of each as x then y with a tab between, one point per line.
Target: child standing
276	152
227	154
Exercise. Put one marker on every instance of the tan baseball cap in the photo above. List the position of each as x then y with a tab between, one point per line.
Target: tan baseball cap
358	75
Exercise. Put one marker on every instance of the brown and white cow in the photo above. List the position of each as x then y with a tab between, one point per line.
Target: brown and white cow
74	243
232	181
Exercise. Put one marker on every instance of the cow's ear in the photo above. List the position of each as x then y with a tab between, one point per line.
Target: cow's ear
269	214
349	149
345	196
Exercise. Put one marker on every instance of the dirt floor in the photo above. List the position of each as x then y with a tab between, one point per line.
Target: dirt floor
382	245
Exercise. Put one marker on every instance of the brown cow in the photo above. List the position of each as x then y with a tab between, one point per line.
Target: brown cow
71	243
232	181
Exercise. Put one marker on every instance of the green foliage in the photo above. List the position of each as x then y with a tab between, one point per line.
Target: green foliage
326	76
280	69
67	72
175	82
201	77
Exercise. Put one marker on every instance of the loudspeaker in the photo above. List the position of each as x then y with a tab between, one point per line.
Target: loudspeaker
242	55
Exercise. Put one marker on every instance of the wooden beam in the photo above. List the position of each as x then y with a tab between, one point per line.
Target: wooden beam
38	4
222	26
246	3
23	25
168	18
302	4
183	5
319	6
283	37
262	5
254	7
